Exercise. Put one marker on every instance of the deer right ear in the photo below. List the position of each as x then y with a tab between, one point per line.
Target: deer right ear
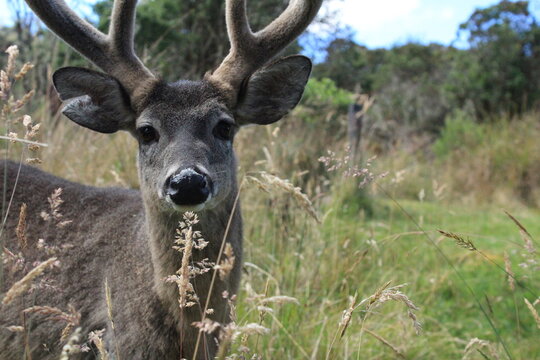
94	100
273	91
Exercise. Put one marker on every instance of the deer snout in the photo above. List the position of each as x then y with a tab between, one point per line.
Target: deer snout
188	187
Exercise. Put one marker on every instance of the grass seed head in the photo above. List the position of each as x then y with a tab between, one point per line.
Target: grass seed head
21	286
71	347
509	272
533	312
13	53
20	231
285	185
478	344
227	264
96	337
459	240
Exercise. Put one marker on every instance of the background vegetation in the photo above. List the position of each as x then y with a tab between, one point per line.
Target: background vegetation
456	131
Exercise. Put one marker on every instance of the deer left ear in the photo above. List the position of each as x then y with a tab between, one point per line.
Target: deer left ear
94	100
273	91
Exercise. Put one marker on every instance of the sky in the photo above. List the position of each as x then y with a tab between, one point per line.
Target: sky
383	23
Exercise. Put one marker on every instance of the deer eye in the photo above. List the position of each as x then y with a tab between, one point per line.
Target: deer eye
224	130
148	134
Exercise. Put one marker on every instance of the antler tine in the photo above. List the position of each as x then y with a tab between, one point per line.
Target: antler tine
289	25
113	53
121	42
249	50
75	31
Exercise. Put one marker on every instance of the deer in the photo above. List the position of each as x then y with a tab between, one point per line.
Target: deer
186	162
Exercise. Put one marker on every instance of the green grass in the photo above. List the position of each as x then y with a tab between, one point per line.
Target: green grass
322	265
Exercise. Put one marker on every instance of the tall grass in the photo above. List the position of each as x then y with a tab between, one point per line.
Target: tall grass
313	291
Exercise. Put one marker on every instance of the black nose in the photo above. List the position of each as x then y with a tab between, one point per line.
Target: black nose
187	187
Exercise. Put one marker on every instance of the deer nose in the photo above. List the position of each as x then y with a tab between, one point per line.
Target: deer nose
188	187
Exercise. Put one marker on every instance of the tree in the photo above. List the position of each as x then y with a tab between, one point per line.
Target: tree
184	39
349	65
501	71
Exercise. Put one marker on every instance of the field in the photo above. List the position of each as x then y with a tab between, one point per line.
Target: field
369	239
434	256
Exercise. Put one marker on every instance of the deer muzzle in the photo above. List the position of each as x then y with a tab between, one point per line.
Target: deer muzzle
189	187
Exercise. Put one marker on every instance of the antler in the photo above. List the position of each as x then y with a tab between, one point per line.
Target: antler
113	52
249	50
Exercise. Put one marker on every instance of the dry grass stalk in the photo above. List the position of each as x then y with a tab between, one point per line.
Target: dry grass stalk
509	272
385	342
533	312
207	325
279	300
459	240
260	185
20	231
71	347
54	214
387	293
13	53
72	318
15	328
96	337
384	294
518	223
186	240
272	181
5	82
333	162
525	235
24	70
21	286
11	105
347	316
185	288
108	299
394	294
19	104
478	344
227	264
5	85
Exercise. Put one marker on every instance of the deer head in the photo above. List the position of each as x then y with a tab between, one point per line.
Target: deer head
185	129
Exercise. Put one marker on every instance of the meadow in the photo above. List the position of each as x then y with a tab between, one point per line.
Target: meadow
426	251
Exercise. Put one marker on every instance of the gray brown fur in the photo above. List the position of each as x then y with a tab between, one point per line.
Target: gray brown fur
127	236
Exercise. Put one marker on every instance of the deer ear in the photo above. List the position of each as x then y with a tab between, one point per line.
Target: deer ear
271	92
93	99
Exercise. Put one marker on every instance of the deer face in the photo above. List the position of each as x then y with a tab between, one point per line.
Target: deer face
185	129
186	158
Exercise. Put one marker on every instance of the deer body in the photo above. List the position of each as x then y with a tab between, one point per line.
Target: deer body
134	263
186	162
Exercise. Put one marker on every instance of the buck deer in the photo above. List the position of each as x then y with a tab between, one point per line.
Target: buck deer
185	132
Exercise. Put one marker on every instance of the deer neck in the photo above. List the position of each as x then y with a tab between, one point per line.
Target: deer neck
161	229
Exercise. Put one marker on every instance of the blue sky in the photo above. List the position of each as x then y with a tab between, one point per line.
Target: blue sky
383	23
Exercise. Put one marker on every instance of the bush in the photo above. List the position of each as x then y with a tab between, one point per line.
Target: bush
460	130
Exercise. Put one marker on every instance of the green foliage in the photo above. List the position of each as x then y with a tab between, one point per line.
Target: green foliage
409	86
460	131
417	86
501	71
348	64
324	92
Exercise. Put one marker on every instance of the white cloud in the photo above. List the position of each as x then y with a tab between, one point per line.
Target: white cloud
386	22
369	14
